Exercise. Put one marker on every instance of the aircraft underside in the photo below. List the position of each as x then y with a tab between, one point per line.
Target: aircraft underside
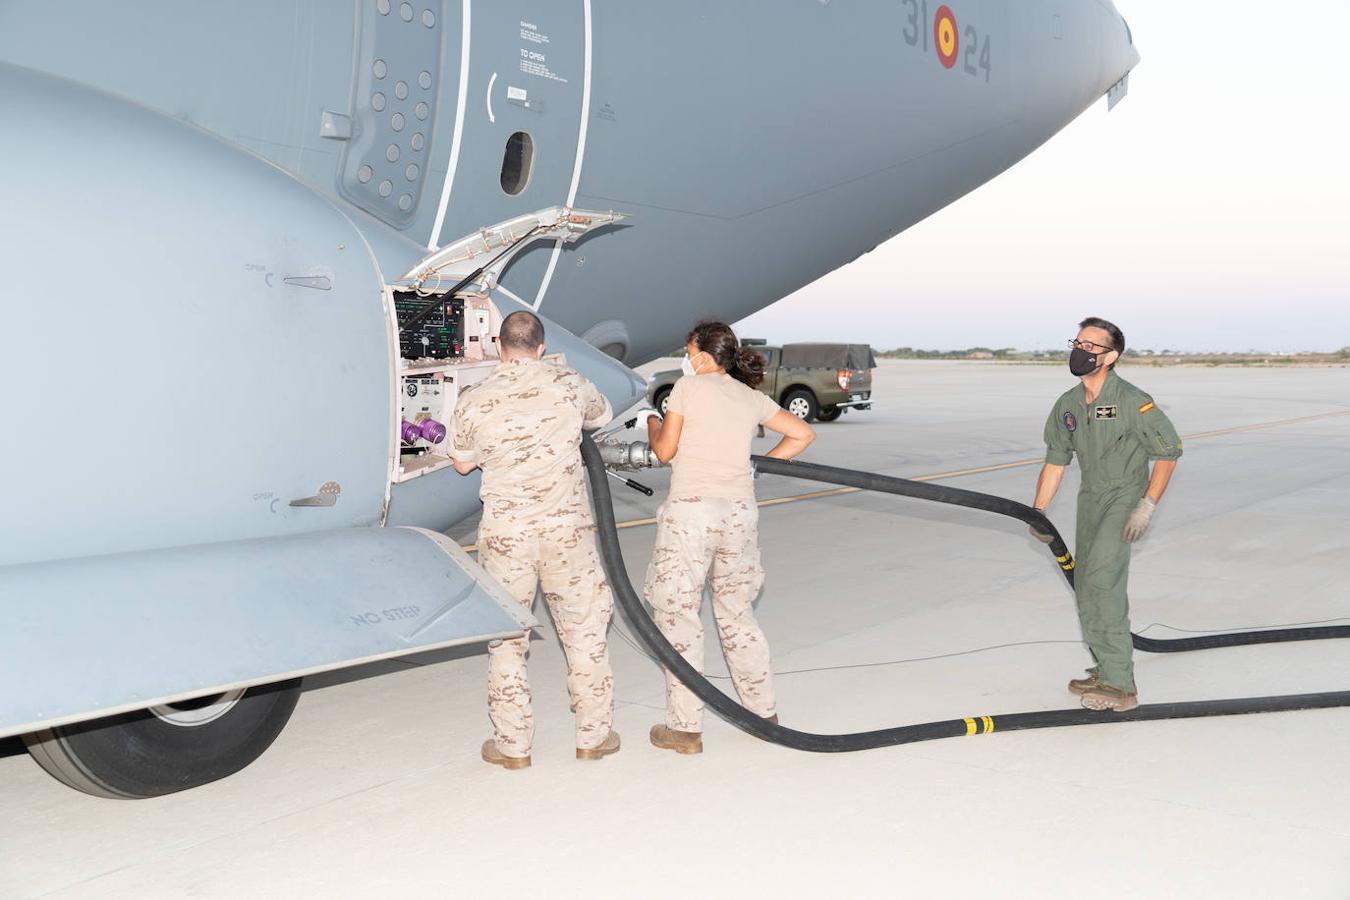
225	221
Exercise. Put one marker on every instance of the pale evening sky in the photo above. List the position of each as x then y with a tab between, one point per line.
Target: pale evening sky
1209	211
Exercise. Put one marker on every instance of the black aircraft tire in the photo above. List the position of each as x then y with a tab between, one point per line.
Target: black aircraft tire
662	400
829	413
139	754
802	404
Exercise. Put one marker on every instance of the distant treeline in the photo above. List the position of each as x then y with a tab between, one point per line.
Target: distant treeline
1143	357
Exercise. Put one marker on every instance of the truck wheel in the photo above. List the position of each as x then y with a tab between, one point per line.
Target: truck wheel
802	404
166	748
662	399
829	413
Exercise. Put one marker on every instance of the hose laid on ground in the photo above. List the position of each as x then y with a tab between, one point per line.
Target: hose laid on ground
1239	638
612	558
888	484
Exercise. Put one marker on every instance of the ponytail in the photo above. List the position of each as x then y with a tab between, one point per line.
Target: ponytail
718	341
748	367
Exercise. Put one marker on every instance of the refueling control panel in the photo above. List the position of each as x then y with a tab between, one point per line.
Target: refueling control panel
447	326
434	326
447	343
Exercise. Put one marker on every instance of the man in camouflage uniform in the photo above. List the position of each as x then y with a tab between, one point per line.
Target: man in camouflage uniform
522	426
1116	430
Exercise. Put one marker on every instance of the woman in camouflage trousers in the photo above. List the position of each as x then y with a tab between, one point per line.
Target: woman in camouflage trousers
707	531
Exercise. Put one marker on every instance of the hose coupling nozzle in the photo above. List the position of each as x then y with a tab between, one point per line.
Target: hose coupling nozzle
627	456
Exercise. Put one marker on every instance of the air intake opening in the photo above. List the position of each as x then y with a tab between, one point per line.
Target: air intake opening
517	162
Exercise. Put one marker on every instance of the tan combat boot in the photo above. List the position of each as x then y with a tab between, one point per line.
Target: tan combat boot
1105	697
1081	686
608	746
686	742
491	754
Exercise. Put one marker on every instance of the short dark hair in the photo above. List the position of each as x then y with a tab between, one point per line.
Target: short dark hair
522	330
1117	336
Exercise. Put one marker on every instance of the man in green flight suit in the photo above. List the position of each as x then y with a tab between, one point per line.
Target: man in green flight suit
1116	430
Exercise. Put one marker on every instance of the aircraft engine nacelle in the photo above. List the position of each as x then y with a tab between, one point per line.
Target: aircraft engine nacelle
195	347
196	392
205	413
191	341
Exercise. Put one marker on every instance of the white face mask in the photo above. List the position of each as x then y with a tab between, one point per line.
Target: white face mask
687	365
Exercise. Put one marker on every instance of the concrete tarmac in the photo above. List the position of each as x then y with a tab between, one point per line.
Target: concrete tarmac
880	611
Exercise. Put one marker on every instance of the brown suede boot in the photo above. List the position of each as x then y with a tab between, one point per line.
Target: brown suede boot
686	742
491	754
608	746
1105	697
1081	686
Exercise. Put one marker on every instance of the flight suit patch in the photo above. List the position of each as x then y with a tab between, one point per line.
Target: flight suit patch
1070	422
1107	412
1146	407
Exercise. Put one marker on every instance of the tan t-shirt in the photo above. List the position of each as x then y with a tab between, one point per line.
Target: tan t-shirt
713	456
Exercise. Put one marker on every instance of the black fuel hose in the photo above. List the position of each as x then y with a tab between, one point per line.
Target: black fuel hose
644	626
973	500
1238	638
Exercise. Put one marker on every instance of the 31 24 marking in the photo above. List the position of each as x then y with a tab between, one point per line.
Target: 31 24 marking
920	21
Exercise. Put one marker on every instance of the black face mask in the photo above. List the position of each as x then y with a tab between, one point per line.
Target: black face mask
1082	362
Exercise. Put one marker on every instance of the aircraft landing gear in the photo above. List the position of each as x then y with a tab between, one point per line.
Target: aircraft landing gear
166	748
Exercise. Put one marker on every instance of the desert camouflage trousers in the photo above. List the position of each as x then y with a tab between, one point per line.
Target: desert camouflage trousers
560	556
697	537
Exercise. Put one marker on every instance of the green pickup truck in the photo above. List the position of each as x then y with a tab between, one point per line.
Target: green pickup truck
811	381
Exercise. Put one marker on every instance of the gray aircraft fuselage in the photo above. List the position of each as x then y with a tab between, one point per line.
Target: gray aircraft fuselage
205	201
756	147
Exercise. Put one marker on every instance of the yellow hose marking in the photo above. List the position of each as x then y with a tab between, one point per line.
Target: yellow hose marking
988	724
980	470
970	727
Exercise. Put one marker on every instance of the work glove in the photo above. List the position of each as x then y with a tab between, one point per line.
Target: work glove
1137	523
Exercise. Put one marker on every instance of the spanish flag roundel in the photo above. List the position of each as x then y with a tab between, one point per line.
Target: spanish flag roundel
945	36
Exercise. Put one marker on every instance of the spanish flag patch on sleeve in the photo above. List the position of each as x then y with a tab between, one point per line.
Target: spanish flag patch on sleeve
1146	407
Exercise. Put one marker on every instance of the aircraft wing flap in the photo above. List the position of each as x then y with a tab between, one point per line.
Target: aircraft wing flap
92	637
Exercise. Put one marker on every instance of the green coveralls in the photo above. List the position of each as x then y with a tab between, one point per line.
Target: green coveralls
1114	436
